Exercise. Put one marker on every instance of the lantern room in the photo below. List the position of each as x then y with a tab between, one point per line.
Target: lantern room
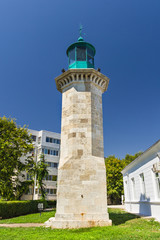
81	54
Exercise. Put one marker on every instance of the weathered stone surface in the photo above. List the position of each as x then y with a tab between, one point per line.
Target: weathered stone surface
62	224
81	192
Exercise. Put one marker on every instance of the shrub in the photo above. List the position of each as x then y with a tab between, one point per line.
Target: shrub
51	203
9	209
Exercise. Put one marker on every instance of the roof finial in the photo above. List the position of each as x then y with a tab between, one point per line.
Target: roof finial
80	33
80	30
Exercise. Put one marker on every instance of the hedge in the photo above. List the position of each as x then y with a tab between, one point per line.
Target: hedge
51	203
9	209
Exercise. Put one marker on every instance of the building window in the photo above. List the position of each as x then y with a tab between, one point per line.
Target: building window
55	165
143	187
72	56
51	191
48	178
39	140
56	153
51	178
54	178
90	55
33	138
57	141
133	188
81	53
52	140
52	165
50	151
49	164
157	178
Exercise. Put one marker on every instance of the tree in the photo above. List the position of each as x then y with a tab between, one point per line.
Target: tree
41	174
114	167
15	143
129	158
38	171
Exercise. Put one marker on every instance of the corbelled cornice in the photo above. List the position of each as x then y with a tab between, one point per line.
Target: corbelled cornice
82	75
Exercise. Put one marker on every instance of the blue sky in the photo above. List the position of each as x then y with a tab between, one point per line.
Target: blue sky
34	36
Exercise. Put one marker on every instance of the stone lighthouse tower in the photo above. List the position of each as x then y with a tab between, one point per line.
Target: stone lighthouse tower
81	192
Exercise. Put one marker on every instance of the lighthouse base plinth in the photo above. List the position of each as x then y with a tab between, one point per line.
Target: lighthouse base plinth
62	224
81	195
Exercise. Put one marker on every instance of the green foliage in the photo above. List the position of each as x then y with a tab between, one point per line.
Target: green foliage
129	158
22	188
15	142
10	209
114	166
41	174
38	170
51	203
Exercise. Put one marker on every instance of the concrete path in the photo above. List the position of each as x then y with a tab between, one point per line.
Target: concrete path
13	225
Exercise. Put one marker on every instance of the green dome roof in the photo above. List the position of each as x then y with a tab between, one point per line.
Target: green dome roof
81	54
80	39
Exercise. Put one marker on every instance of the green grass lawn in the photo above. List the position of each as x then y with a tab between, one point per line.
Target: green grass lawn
30	218
125	226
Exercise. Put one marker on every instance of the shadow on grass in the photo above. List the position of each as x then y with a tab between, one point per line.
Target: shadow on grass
120	217
117	216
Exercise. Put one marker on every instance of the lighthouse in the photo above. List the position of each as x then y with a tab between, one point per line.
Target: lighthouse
81	189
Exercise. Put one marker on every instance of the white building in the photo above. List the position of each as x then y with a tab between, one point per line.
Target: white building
142	183
48	143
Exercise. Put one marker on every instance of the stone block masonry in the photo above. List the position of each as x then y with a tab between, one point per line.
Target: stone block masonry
81	193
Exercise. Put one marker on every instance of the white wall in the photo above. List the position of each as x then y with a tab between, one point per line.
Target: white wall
136	203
